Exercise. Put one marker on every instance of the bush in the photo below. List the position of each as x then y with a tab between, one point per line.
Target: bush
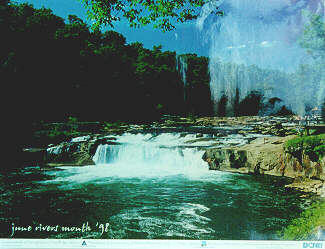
320	150
251	105
312	145
303	228
294	145
310	142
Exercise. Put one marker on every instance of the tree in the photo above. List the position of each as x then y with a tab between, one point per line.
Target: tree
162	13
313	39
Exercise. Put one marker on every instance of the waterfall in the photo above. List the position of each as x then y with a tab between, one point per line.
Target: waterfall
107	153
264	35
181	67
146	154
149	155
152	155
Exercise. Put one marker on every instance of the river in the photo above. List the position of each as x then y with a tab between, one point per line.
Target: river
147	186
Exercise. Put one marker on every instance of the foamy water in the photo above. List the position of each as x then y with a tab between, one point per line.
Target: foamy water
149	186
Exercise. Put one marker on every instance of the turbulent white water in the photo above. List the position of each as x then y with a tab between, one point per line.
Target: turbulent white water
265	34
135	160
151	155
80	139
148	155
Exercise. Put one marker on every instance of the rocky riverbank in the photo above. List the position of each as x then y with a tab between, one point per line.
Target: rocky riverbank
264	156
268	125
60	135
268	156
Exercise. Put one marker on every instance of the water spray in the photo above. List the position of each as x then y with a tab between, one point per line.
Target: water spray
253	38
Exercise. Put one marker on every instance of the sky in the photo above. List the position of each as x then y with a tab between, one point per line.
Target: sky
265	33
258	32
185	39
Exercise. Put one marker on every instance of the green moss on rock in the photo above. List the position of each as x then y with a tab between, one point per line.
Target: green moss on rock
313	146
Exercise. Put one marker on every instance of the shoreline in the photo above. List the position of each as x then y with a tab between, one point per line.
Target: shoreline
264	156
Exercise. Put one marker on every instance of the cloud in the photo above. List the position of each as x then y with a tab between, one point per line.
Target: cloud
268	44
236	47
251	44
265	44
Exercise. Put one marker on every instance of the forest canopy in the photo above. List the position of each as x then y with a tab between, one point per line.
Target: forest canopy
163	14
72	70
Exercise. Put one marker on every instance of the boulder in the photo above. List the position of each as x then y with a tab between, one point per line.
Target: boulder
261	156
76	153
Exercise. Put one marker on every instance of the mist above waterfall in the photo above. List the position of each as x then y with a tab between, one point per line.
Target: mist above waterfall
265	34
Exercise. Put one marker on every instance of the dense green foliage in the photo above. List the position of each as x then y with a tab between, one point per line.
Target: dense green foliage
55	70
161	13
304	227
314	146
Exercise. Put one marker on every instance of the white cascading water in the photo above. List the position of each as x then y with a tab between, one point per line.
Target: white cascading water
181	67
148	156
266	34
144	156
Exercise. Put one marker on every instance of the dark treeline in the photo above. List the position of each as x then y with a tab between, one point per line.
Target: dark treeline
55	69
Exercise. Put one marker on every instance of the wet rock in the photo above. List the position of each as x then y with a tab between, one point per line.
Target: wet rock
267	156
198	135
72	154
257	157
307	185
78	153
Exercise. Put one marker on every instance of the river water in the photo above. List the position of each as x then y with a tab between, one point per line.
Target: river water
147	186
